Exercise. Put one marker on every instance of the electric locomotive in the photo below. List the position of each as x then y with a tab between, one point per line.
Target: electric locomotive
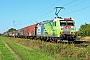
57	29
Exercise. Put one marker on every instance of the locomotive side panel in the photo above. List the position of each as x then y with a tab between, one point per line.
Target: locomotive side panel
48	29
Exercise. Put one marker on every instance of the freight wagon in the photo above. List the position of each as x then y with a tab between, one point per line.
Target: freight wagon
27	32
14	33
32	31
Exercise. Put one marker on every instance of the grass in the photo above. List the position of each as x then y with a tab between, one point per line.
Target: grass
78	37
49	51
4	52
64	51
26	54
81	38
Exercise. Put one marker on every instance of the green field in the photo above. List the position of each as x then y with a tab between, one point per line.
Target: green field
27	49
26	54
4	52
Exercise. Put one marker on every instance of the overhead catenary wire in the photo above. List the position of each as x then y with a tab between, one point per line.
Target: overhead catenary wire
38	17
47	9
51	10
69	2
41	15
17	23
83	1
66	13
54	4
77	10
44	13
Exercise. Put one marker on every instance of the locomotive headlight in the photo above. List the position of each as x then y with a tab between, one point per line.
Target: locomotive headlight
72	32
72	28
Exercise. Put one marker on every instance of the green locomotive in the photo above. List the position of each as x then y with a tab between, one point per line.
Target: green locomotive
60	29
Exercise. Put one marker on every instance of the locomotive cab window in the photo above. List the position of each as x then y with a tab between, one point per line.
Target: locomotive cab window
62	23
70	23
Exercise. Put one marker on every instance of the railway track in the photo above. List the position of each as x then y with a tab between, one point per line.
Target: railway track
81	43
77	43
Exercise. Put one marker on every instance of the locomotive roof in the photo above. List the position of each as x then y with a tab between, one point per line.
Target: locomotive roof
67	19
43	22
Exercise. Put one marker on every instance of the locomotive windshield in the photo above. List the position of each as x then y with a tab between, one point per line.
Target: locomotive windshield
64	23
70	23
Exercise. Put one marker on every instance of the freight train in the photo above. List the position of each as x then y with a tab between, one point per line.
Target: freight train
56	30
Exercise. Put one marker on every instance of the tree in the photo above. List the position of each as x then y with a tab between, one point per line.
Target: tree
0	34
84	30
11	29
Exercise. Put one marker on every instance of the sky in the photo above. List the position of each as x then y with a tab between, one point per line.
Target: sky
21	13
